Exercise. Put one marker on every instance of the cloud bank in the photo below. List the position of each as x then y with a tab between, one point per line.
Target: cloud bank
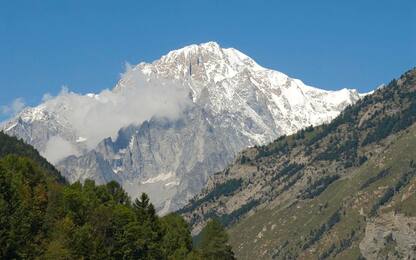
94	117
58	148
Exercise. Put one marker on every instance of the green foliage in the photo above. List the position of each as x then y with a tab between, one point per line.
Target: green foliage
12	146
373	179
383	128
214	242
42	217
288	170
318	187
244	159
176	242
228	219
375	136
316	234
343	149
223	189
390	192
23	202
279	146
398	121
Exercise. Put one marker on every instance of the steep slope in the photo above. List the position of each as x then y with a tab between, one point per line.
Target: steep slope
343	190
223	102
42	217
12	146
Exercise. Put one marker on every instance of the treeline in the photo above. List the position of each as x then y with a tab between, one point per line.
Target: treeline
223	189
13	146
316	234
402	119
229	219
42	218
391	191
318	187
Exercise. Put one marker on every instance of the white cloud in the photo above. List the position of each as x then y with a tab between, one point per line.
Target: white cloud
97	116
58	148
13	108
93	117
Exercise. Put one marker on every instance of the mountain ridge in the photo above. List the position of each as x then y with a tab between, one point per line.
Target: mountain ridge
210	104
326	191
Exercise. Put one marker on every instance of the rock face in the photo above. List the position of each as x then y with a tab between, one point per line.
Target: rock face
390	236
235	103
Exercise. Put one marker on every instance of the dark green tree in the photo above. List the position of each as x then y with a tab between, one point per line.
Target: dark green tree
214	242
176	241
43	217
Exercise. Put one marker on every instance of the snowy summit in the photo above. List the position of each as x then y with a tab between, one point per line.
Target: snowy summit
168	125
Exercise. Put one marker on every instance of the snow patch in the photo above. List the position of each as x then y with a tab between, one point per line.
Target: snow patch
10	127
172	183
81	139
160	178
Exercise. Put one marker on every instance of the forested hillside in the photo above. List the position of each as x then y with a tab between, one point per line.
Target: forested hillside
344	190
42	217
13	146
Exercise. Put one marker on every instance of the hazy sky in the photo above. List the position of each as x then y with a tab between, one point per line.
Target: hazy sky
85	44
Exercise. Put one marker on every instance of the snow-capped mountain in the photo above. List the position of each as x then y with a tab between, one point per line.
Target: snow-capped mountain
168	125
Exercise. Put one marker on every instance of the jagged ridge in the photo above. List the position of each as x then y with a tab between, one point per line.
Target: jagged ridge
236	103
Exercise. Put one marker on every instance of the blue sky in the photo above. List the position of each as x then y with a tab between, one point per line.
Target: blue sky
85	44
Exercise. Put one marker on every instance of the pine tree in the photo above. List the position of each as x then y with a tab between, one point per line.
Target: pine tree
43	217
214	242
176	241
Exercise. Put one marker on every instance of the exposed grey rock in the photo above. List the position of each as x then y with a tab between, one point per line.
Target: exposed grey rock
235	104
390	236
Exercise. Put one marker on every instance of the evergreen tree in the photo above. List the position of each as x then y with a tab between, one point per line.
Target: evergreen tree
43	217
214	242
176	241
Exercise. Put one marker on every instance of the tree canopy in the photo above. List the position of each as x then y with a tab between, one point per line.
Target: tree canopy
42	216
214	242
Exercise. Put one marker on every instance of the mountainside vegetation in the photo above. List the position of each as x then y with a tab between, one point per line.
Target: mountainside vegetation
14	146
343	190
43	217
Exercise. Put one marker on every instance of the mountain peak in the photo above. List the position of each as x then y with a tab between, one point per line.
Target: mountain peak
231	55
236	103
211	46
206	63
